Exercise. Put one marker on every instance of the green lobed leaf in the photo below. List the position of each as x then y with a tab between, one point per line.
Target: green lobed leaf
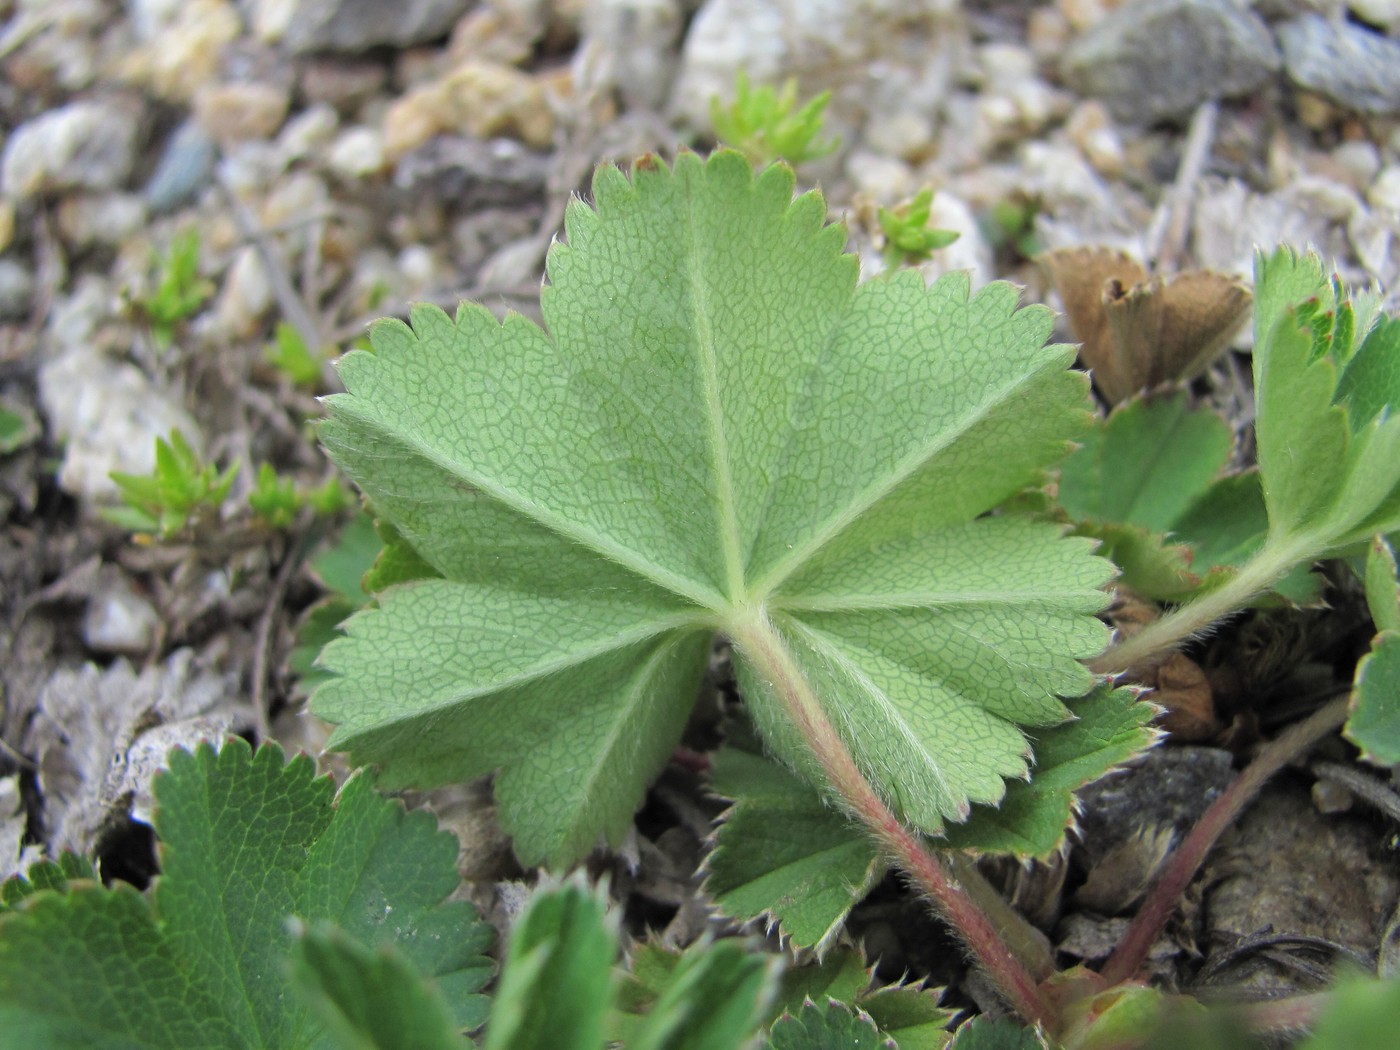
909	1014
1382	585
1146	463
246	842
1002	1034
19	426
46	875
830	1025
716	427
1111	725
1362	1015
369	999
813	866
1329	455
556	981
1374	722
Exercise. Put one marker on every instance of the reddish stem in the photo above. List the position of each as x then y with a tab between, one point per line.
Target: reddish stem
1130	955
1296	1013
761	644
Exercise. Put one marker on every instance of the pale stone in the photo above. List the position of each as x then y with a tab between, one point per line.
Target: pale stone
246	295
816	41
309	133
357	152
186	53
902	134
479	98
1360	159
636	41
83	145
238	112
107	413
1383	13
85	221
887	179
1384	194
1091	129
118	620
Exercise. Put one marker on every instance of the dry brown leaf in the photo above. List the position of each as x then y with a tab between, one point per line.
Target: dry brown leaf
1139	332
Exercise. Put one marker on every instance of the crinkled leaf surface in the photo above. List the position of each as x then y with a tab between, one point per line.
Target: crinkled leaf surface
814	865
246	842
1146	463
716	429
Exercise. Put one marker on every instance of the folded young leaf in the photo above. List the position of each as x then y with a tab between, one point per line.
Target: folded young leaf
246	842
716	430
367	999
712	996
1329	452
556	982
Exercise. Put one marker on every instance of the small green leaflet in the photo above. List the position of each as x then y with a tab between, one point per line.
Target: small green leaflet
246	842
1374	722
830	1025
908	1014
1147	482
814	865
712	996
716	430
559	989
1002	1034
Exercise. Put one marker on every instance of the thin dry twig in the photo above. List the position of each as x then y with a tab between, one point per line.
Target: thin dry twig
1165	242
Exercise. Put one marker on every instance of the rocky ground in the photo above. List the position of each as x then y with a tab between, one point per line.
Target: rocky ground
341	159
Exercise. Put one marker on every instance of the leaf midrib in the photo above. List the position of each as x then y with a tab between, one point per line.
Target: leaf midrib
573	658
843	518
625	557
725	503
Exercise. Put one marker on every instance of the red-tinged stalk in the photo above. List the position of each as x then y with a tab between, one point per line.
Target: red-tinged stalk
1297	1013
1181	867
761	645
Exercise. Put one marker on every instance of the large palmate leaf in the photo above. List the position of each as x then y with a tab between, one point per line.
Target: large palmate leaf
246	843
716	430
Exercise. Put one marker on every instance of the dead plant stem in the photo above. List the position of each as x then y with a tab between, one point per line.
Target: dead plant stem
1181	867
